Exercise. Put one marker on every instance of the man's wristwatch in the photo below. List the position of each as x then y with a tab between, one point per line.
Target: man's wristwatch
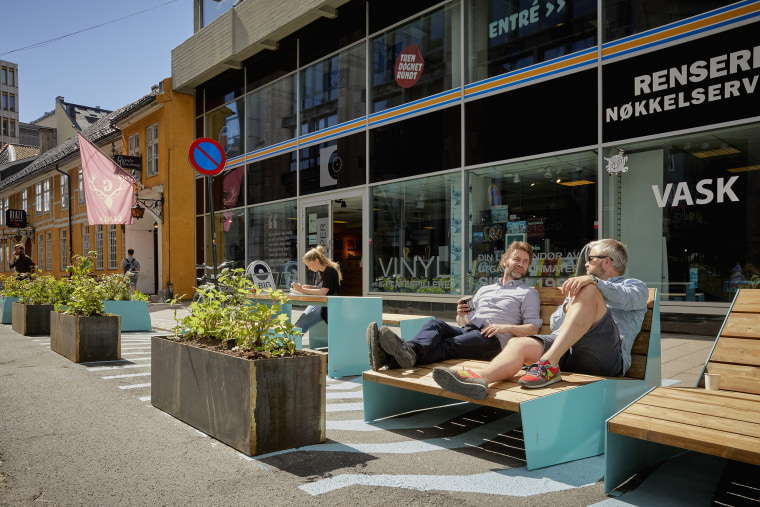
595	279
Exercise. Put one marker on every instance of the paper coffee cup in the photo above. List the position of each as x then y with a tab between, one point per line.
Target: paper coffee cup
712	381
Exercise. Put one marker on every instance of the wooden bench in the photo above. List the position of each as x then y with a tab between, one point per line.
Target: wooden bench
408	324
562	422
668	420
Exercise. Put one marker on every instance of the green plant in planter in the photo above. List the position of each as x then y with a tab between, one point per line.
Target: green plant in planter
81	294
39	290
11	286
117	288
226	315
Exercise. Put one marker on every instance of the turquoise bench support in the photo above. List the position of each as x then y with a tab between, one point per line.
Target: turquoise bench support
318	336
345	333
382	400
134	314
625	456
410	327
6	309
348	319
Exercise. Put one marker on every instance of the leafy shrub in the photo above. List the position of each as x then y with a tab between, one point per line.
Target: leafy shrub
11	286
226	315
85	293
116	287
39	290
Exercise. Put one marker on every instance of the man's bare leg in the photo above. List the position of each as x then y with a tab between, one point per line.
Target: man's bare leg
581	313
518	352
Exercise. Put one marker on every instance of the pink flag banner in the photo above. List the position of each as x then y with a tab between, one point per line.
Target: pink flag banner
108	189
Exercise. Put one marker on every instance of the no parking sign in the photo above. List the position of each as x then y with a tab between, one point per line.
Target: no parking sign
207	156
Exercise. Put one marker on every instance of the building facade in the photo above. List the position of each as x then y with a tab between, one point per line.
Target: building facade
151	131
9	128
159	134
416	140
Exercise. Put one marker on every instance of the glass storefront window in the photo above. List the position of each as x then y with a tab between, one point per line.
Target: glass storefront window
271	114
416	231
272	236
225	125
333	165
687	210
622	18
505	35
333	90
550	203
272	179
229	226
416	60
228	189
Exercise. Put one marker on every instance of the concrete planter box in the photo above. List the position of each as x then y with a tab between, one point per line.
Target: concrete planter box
6	309
31	320
134	314
85	339
255	407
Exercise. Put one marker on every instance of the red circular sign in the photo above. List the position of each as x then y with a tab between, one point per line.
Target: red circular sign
207	156
409	66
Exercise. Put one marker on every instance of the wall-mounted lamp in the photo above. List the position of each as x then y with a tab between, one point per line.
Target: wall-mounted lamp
138	211
154	205
342	202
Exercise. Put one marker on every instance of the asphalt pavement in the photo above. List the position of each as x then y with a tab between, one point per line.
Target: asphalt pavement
86	434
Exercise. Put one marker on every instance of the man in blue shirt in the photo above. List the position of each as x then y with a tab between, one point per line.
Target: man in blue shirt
592	331
495	314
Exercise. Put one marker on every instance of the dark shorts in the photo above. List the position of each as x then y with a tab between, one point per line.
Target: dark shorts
596	353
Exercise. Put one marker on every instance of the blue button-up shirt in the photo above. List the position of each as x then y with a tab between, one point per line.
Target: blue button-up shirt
512	303
627	300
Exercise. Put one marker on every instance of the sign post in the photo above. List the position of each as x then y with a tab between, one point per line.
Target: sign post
207	157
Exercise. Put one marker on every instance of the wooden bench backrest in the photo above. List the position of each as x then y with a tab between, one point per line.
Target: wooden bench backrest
552	297
736	354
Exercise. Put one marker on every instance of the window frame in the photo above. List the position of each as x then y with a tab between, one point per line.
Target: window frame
151	150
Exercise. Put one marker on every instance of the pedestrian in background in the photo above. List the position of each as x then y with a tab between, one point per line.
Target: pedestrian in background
21	263
131	268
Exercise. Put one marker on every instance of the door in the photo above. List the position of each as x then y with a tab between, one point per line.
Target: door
335	222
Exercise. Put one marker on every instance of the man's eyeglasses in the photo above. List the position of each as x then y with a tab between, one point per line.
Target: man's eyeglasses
598	257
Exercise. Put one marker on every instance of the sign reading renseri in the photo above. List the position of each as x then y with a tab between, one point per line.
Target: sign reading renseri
706	81
647	87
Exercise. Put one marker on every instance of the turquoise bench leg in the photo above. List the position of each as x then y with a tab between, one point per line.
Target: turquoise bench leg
564	426
409	328
626	456
348	319
381	400
318	336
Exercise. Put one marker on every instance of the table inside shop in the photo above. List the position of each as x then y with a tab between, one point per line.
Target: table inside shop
345	333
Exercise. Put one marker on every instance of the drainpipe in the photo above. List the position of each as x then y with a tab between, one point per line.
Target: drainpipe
68	197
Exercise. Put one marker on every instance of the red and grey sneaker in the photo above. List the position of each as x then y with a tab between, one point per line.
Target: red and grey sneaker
463	382
540	374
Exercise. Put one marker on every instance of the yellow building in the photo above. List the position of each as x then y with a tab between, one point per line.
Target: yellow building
157	128
161	133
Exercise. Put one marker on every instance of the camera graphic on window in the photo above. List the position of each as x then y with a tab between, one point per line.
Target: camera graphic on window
330	165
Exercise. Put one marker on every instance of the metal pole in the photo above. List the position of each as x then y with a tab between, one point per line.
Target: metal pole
213	229
71	234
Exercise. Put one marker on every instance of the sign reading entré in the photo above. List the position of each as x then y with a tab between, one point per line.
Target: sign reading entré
16	218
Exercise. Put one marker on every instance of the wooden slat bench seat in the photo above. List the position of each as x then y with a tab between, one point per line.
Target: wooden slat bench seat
561	422
407	323
668	420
